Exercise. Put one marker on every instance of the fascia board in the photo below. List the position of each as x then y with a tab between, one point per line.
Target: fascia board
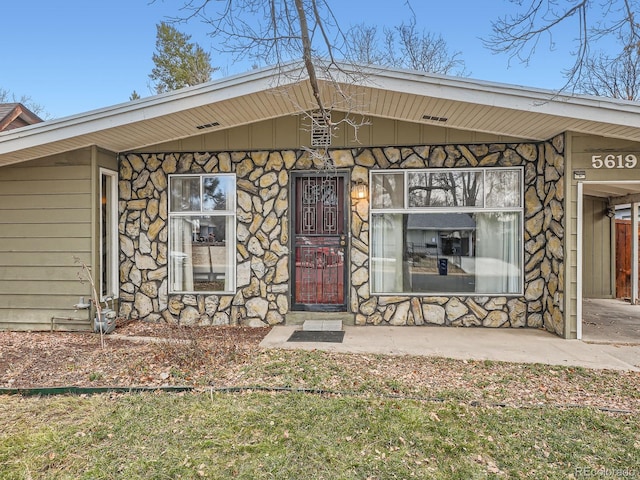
144	109
582	107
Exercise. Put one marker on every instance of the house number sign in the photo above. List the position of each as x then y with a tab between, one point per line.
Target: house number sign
614	161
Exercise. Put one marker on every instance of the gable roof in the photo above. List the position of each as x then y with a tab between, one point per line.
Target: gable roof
454	102
16	115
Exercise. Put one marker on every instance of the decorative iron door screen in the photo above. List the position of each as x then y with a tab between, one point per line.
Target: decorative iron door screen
319	242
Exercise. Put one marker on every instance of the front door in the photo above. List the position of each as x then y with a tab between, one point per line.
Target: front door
319	233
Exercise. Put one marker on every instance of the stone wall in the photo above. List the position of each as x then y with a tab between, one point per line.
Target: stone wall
542	302
262	295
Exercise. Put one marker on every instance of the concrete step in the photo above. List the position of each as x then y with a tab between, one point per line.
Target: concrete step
322	325
299	318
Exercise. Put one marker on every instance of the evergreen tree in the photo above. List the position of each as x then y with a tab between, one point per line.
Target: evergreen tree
178	62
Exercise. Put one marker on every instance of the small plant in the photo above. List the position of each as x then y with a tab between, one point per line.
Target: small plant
95	376
183	349
105	320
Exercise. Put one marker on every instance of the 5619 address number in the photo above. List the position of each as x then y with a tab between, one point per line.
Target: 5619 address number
614	161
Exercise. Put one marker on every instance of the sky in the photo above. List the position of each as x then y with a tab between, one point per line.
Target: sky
73	56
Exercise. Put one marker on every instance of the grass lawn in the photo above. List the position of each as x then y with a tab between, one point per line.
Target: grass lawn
294	414
292	435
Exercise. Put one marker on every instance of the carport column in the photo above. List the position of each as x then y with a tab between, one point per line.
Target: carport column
634	253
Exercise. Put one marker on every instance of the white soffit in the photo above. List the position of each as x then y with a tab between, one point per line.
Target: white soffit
452	102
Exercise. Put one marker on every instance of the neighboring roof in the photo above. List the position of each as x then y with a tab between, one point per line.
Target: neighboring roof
16	115
441	221
454	102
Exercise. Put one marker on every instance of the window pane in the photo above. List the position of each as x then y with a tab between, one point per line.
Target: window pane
185	194
201	253
387	190
386	252
446	253
108	235
218	193
503	188
498	260
445	189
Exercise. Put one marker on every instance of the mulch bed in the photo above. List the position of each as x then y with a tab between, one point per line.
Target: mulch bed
137	353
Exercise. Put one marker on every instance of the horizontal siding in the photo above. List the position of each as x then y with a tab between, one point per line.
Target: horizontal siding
20	320
43	301
45	221
30	172
40	272
44	217
52	230
40	259
46	202
40	287
49	245
44	187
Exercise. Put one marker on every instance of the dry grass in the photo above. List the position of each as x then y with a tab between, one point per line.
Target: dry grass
153	355
258	413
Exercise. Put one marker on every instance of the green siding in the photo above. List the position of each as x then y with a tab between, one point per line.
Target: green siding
45	221
580	148
293	132
596	238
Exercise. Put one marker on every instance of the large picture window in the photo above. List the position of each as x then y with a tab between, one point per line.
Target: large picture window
438	231
202	233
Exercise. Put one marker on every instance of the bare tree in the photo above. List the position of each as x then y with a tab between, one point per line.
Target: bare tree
615	77
273	32
365	47
7	97
520	35
277	32
420	50
403	46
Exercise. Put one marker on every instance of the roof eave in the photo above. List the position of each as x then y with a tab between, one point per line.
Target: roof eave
146	108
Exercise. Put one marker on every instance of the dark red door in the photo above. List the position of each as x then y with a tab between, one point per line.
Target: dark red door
623	258
319	236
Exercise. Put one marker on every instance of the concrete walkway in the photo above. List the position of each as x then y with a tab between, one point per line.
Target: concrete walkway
507	345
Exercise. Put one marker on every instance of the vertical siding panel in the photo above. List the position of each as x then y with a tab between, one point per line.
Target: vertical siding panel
596	248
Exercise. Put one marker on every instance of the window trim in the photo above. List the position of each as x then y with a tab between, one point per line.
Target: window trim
113	282
230	214
406	209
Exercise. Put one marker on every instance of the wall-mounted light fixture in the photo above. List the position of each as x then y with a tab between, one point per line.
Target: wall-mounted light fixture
359	191
611	210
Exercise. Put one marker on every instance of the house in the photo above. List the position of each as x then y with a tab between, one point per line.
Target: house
224	203
16	115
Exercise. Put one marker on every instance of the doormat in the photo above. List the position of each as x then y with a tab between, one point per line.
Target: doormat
317	336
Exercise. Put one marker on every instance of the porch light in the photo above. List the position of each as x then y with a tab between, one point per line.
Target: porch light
359	191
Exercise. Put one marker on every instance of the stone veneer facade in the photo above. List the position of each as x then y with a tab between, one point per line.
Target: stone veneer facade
262	230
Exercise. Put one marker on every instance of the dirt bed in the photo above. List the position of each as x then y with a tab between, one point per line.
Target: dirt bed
153	355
